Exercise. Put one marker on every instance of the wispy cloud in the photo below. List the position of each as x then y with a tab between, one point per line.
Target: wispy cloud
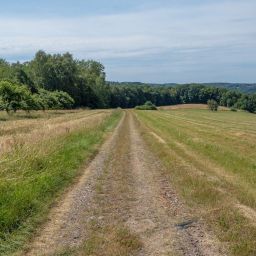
178	37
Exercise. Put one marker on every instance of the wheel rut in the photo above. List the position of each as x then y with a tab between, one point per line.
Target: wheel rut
135	192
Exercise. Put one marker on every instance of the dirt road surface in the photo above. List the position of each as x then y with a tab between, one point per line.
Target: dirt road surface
133	191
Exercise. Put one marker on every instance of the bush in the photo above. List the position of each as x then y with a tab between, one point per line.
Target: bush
147	106
14	97
54	100
65	101
212	105
233	109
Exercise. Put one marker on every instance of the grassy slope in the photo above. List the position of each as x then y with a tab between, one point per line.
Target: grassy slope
30	180
211	159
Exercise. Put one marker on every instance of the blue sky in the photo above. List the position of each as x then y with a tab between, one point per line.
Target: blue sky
138	40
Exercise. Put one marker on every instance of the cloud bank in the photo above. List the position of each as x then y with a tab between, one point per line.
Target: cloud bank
214	41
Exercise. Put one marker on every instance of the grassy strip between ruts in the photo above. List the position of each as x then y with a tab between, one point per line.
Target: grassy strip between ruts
31	179
106	231
207	193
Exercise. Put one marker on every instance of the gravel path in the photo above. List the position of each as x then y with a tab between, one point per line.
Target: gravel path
154	213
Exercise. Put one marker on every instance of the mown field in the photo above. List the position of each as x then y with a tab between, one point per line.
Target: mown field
211	160
40	155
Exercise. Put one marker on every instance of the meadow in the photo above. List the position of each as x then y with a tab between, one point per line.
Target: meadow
209	161
210	158
41	155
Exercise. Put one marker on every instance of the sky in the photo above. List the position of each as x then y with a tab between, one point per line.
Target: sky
158	41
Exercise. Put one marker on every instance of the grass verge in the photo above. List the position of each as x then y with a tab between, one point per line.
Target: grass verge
31	179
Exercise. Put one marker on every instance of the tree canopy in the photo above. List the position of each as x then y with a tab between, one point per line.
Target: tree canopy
59	81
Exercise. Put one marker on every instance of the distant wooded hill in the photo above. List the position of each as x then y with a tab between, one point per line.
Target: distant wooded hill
241	87
59	81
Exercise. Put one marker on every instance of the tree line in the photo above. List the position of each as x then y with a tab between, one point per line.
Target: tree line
129	95
59	81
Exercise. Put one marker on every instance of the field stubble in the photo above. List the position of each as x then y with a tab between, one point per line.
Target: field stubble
133	202
213	169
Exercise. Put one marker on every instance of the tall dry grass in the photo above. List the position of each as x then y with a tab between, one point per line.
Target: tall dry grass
25	132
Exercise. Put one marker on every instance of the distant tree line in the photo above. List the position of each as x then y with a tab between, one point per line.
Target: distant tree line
58	81
131	95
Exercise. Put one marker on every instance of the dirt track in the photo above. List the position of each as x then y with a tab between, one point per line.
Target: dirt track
134	192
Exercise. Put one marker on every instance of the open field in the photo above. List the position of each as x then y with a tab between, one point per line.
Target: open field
22	129
167	182
211	160
123	205
189	106
41	156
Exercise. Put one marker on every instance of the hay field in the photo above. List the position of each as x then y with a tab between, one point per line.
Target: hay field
211	159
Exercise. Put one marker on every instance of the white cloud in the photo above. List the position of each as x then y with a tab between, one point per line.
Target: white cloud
180	31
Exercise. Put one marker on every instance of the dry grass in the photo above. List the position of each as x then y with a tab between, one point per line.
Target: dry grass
17	131
211	159
38	166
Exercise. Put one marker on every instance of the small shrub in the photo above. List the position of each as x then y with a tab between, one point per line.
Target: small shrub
212	105
233	109
147	106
